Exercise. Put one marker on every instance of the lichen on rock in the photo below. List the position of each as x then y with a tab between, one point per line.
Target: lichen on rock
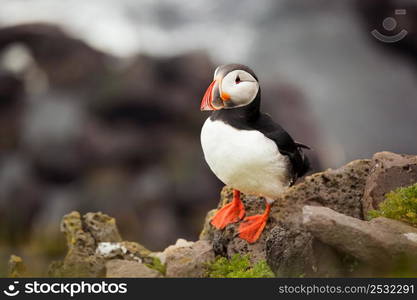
102	227
238	267
289	249
316	229
92	240
16	267
400	204
389	171
293	246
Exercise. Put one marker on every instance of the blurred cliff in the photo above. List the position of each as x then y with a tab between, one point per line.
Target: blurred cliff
86	130
99	103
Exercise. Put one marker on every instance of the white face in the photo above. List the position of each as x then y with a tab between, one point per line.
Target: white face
240	86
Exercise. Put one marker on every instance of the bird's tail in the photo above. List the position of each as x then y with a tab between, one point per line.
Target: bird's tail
306	164
299	145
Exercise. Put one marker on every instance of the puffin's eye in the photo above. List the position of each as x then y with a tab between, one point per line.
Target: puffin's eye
237	80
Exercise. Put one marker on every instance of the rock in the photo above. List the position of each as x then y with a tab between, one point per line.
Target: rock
79	242
393	225
388	172
117	268
180	243
102	227
124	250
375	243
16	267
207	232
340	189
226	242
292	251
80	260
93	240
159	255
78	266
188	260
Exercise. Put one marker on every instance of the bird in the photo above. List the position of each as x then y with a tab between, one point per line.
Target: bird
246	149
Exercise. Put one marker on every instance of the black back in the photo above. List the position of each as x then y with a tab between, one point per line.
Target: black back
249	117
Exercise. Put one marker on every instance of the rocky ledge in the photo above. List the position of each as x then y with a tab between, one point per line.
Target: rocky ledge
319	227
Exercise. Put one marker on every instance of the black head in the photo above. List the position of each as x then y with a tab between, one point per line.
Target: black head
233	86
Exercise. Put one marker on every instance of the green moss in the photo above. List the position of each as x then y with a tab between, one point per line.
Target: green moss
400	204
16	267
238	267
156	264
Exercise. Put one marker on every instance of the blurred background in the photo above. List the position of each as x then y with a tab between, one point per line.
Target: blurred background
99	103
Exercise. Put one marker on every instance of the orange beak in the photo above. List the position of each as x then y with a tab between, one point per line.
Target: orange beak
206	103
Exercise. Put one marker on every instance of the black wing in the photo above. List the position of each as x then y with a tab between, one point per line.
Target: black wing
285	144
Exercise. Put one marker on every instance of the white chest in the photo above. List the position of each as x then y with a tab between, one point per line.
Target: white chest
244	159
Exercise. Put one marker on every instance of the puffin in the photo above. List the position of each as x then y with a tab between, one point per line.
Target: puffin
246	149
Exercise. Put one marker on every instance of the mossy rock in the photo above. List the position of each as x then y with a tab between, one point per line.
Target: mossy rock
84	237
400	204
157	265
238	267
16	267
207	232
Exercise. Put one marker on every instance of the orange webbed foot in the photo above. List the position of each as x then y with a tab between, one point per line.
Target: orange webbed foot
230	213
251	228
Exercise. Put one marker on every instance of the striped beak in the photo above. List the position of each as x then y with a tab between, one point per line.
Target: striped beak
212	99
206	103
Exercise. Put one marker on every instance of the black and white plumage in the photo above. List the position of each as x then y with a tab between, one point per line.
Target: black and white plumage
245	148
